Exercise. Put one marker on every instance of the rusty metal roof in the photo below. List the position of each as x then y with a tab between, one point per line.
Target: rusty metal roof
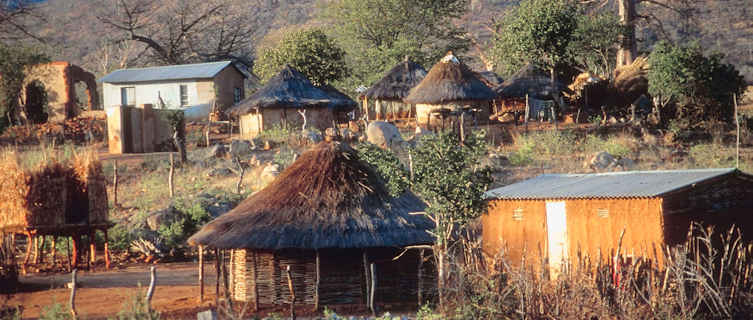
626	184
165	73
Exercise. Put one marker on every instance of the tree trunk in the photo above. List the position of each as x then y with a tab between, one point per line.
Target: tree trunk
627	47
442	277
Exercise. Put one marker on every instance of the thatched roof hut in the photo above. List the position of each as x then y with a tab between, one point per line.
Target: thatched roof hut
490	78
325	216
388	93
449	87
450	81
277	103
530	81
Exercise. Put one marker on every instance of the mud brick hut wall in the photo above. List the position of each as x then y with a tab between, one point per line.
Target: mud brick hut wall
222	88
251	124
137	130
59	79
519	227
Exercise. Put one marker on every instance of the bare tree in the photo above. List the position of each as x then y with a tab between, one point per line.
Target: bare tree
17	19
184	31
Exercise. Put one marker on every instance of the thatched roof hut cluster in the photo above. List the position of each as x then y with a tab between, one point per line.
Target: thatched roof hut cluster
328	217
278	103
389	92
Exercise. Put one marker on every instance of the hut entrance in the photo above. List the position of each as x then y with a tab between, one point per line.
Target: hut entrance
83	96
556	226
36	102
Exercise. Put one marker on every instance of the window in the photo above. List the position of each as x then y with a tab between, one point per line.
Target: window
183	95
603	213
128	96
237	95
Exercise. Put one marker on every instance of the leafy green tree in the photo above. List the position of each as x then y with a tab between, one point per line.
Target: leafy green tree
594	44
14	61
539	32
449	177
700	87
387	165
309	51
377	34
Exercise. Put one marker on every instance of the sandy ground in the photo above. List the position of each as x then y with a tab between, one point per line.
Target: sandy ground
103	294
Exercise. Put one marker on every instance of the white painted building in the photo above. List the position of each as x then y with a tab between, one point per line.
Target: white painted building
190	87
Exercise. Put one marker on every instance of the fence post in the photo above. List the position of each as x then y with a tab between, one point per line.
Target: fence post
171	175
292	292
115	183
72	301
152	284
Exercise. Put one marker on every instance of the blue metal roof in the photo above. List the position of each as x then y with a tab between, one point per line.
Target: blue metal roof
176	72
627	184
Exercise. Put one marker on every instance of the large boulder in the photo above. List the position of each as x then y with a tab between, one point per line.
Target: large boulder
383	134
163	217
601	161
240	148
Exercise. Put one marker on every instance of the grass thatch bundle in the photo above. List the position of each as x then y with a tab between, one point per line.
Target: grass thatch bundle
31	196
51	192
450	81
328	198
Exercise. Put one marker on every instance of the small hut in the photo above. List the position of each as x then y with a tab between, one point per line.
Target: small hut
449	89
528	83
53	198
329	218
286	100
389	92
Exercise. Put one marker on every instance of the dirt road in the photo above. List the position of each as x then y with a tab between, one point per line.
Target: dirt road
103	294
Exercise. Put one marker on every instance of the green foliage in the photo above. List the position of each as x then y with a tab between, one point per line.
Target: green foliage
700	86
284	157
594	43
426	313
377	34
594	143
389	167
449	177
13	63
276	134
56	311
539	32
136	308
309	51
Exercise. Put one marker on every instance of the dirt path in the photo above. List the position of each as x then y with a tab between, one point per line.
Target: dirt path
102	294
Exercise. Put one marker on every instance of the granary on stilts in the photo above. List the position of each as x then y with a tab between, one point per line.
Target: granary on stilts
449	91
388	93
286	100
53	198
329	218
529	86
561	217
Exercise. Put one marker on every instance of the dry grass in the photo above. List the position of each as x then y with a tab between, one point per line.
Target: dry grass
708	277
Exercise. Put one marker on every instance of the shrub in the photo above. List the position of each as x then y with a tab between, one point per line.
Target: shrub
387	165
55	311
284	157
136	308
276	134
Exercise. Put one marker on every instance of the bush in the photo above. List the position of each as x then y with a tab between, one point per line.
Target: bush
56	311
284	157
387	165
276	134
136	308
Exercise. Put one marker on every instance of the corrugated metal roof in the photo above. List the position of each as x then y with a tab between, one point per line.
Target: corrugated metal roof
176	72
627	184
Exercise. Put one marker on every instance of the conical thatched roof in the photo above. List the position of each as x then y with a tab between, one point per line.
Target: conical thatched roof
291	89
529	80
450	81
328	198
397	83
490	78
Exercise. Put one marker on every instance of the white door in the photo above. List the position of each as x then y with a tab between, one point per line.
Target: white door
556	226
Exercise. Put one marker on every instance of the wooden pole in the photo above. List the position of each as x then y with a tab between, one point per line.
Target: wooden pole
115	183
226	282
76	242
528	113
28	251
72	301
217	285
737	124
92	246
37	249
420	275
107	250
152	285
372	291
366	277
53	249
292	292
171	175
201	274
317	282
68	252
242	170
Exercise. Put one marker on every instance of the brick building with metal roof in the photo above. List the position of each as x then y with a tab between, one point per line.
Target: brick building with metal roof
557	217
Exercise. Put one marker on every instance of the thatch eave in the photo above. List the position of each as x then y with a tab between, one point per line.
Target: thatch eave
450	81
